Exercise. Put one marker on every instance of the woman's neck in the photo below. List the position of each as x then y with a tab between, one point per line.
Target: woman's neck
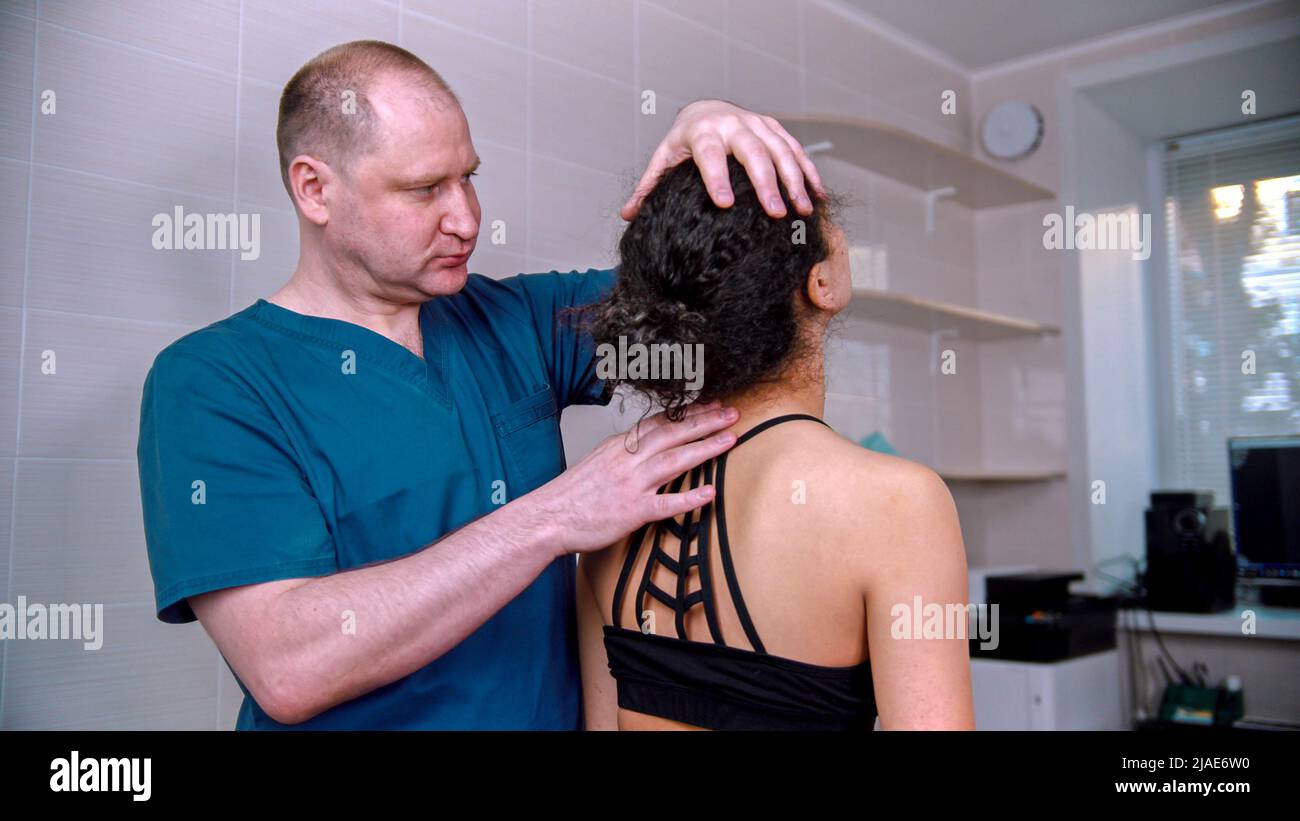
805	394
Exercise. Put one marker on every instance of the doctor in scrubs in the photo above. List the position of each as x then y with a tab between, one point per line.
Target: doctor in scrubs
357	484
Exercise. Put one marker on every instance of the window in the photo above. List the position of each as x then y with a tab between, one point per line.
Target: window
1232	212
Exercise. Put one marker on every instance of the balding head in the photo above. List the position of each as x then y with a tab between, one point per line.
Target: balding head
326	110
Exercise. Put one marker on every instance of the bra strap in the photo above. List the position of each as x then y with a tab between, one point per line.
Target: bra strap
724	543
775	420
685	533
633	548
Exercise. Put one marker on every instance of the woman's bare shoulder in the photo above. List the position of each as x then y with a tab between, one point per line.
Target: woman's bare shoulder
853	476
869	501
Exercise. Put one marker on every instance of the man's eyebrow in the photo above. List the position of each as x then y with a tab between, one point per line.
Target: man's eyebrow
433	176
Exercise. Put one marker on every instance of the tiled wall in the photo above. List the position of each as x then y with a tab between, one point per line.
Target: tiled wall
165	104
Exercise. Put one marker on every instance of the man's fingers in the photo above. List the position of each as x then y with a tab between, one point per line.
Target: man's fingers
810	173
695	426
661	418
673	462
659	162
645	427
696	408
787	165
707	132
643	187
659	433
754	154
671	505
710	155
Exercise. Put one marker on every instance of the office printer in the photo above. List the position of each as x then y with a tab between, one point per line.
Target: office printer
1039	619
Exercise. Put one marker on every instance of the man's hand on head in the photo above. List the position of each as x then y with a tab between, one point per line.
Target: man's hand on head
709	130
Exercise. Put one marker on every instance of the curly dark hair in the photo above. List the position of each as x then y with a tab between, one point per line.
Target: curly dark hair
728	279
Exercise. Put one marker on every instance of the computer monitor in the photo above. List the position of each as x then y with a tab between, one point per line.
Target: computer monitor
1265	475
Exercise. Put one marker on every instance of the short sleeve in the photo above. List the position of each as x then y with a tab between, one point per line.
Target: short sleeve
569	352
225	502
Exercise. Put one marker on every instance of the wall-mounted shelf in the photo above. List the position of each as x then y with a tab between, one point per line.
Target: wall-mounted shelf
931	315
913	160
1001	476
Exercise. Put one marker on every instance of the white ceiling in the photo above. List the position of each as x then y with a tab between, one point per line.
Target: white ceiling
980	33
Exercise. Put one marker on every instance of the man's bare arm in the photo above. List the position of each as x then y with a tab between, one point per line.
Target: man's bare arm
285	639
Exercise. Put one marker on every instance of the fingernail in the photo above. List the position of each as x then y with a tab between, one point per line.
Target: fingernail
775	204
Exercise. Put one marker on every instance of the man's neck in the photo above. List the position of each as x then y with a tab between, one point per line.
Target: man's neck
323	296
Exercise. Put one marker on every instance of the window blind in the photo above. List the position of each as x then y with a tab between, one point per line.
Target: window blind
1232	218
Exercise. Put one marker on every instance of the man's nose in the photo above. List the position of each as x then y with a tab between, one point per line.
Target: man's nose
462	215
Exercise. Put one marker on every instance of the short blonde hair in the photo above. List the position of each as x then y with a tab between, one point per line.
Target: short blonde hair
313	118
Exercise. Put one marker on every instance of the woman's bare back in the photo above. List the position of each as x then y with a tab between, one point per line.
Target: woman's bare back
796	500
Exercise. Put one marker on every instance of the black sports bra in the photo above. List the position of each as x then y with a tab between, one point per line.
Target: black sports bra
714	685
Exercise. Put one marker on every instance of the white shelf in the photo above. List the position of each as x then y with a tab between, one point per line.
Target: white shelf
931	315
913	160
926	165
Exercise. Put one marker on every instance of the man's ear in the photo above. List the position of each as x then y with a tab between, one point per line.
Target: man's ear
308	178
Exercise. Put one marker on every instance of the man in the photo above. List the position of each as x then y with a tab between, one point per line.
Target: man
357	485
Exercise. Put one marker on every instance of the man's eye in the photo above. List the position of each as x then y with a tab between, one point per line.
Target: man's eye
430	190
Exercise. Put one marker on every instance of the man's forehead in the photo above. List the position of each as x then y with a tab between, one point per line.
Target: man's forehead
416	121
395	98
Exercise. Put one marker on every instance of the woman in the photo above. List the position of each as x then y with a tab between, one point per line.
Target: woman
774	606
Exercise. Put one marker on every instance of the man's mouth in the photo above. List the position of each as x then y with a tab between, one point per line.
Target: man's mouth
454	261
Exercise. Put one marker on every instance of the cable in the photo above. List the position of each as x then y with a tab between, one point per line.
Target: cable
1140	707
1139	596
1144	600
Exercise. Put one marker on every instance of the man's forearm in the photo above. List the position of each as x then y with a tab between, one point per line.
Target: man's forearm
406	612
287	639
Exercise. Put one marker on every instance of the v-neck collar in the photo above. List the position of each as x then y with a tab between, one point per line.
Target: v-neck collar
429	374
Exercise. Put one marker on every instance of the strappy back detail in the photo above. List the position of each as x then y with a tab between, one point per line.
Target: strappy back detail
713	684
688	530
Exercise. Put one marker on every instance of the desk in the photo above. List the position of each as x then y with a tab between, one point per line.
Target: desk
1267	661
1270	622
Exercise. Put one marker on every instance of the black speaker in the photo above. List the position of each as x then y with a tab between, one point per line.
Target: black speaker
1191	567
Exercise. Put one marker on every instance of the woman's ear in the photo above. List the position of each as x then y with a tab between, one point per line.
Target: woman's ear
821	287
830	283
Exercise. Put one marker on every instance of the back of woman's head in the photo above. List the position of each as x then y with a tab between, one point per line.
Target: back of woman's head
729	280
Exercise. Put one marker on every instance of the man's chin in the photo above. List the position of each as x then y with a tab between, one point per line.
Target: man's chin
442	280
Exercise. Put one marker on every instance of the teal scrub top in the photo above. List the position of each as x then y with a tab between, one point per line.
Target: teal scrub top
276	445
